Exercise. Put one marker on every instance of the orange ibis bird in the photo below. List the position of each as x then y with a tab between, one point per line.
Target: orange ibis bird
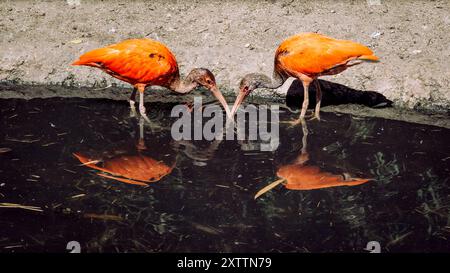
306	56
144	62
132	167
301	175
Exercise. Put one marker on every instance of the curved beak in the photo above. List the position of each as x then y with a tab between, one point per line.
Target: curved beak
221	99
240	98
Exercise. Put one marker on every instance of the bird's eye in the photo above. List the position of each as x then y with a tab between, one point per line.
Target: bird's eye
245	89
208	81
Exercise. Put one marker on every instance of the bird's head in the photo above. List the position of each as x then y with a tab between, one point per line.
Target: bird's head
204	77
249	83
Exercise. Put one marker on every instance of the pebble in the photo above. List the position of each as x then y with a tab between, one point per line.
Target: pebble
77	41
249	46
375	35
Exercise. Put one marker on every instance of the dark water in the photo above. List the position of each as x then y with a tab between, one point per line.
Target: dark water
205	203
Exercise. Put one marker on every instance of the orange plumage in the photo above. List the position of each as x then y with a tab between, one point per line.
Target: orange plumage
144	62
307	56
300	175
306	177
313	54
136	169
136	61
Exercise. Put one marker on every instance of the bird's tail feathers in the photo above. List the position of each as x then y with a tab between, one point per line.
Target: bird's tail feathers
371	58
95	56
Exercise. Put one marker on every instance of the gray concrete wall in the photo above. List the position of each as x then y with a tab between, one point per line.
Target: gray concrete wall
40	39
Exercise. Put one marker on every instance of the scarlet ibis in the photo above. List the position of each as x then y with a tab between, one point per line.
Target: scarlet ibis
303	176
132	168
306	56
144	62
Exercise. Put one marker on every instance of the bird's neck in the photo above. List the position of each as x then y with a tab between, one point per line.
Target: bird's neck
182	85
276	82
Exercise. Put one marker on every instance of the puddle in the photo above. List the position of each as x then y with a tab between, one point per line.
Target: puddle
356	180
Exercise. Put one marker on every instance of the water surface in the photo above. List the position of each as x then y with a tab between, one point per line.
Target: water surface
205	200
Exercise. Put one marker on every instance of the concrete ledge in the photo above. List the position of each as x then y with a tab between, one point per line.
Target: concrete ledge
14	91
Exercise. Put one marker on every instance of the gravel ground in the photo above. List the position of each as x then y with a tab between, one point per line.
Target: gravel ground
232	38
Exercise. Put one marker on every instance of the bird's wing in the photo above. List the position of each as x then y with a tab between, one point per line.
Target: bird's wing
300	177
313	53
136	60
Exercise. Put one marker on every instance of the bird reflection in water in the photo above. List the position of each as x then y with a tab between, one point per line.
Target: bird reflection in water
132	168
201	155
302	176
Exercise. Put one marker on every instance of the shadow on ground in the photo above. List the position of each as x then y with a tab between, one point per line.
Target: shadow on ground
335	94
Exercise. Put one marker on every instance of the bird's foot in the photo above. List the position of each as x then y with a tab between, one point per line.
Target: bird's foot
316	116
309	115
293	123
154	127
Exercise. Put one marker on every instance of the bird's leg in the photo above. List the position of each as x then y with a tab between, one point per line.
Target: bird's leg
304	138
306	81
153	127
318	100
141	142
141	89
132	103
305	100
304	156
